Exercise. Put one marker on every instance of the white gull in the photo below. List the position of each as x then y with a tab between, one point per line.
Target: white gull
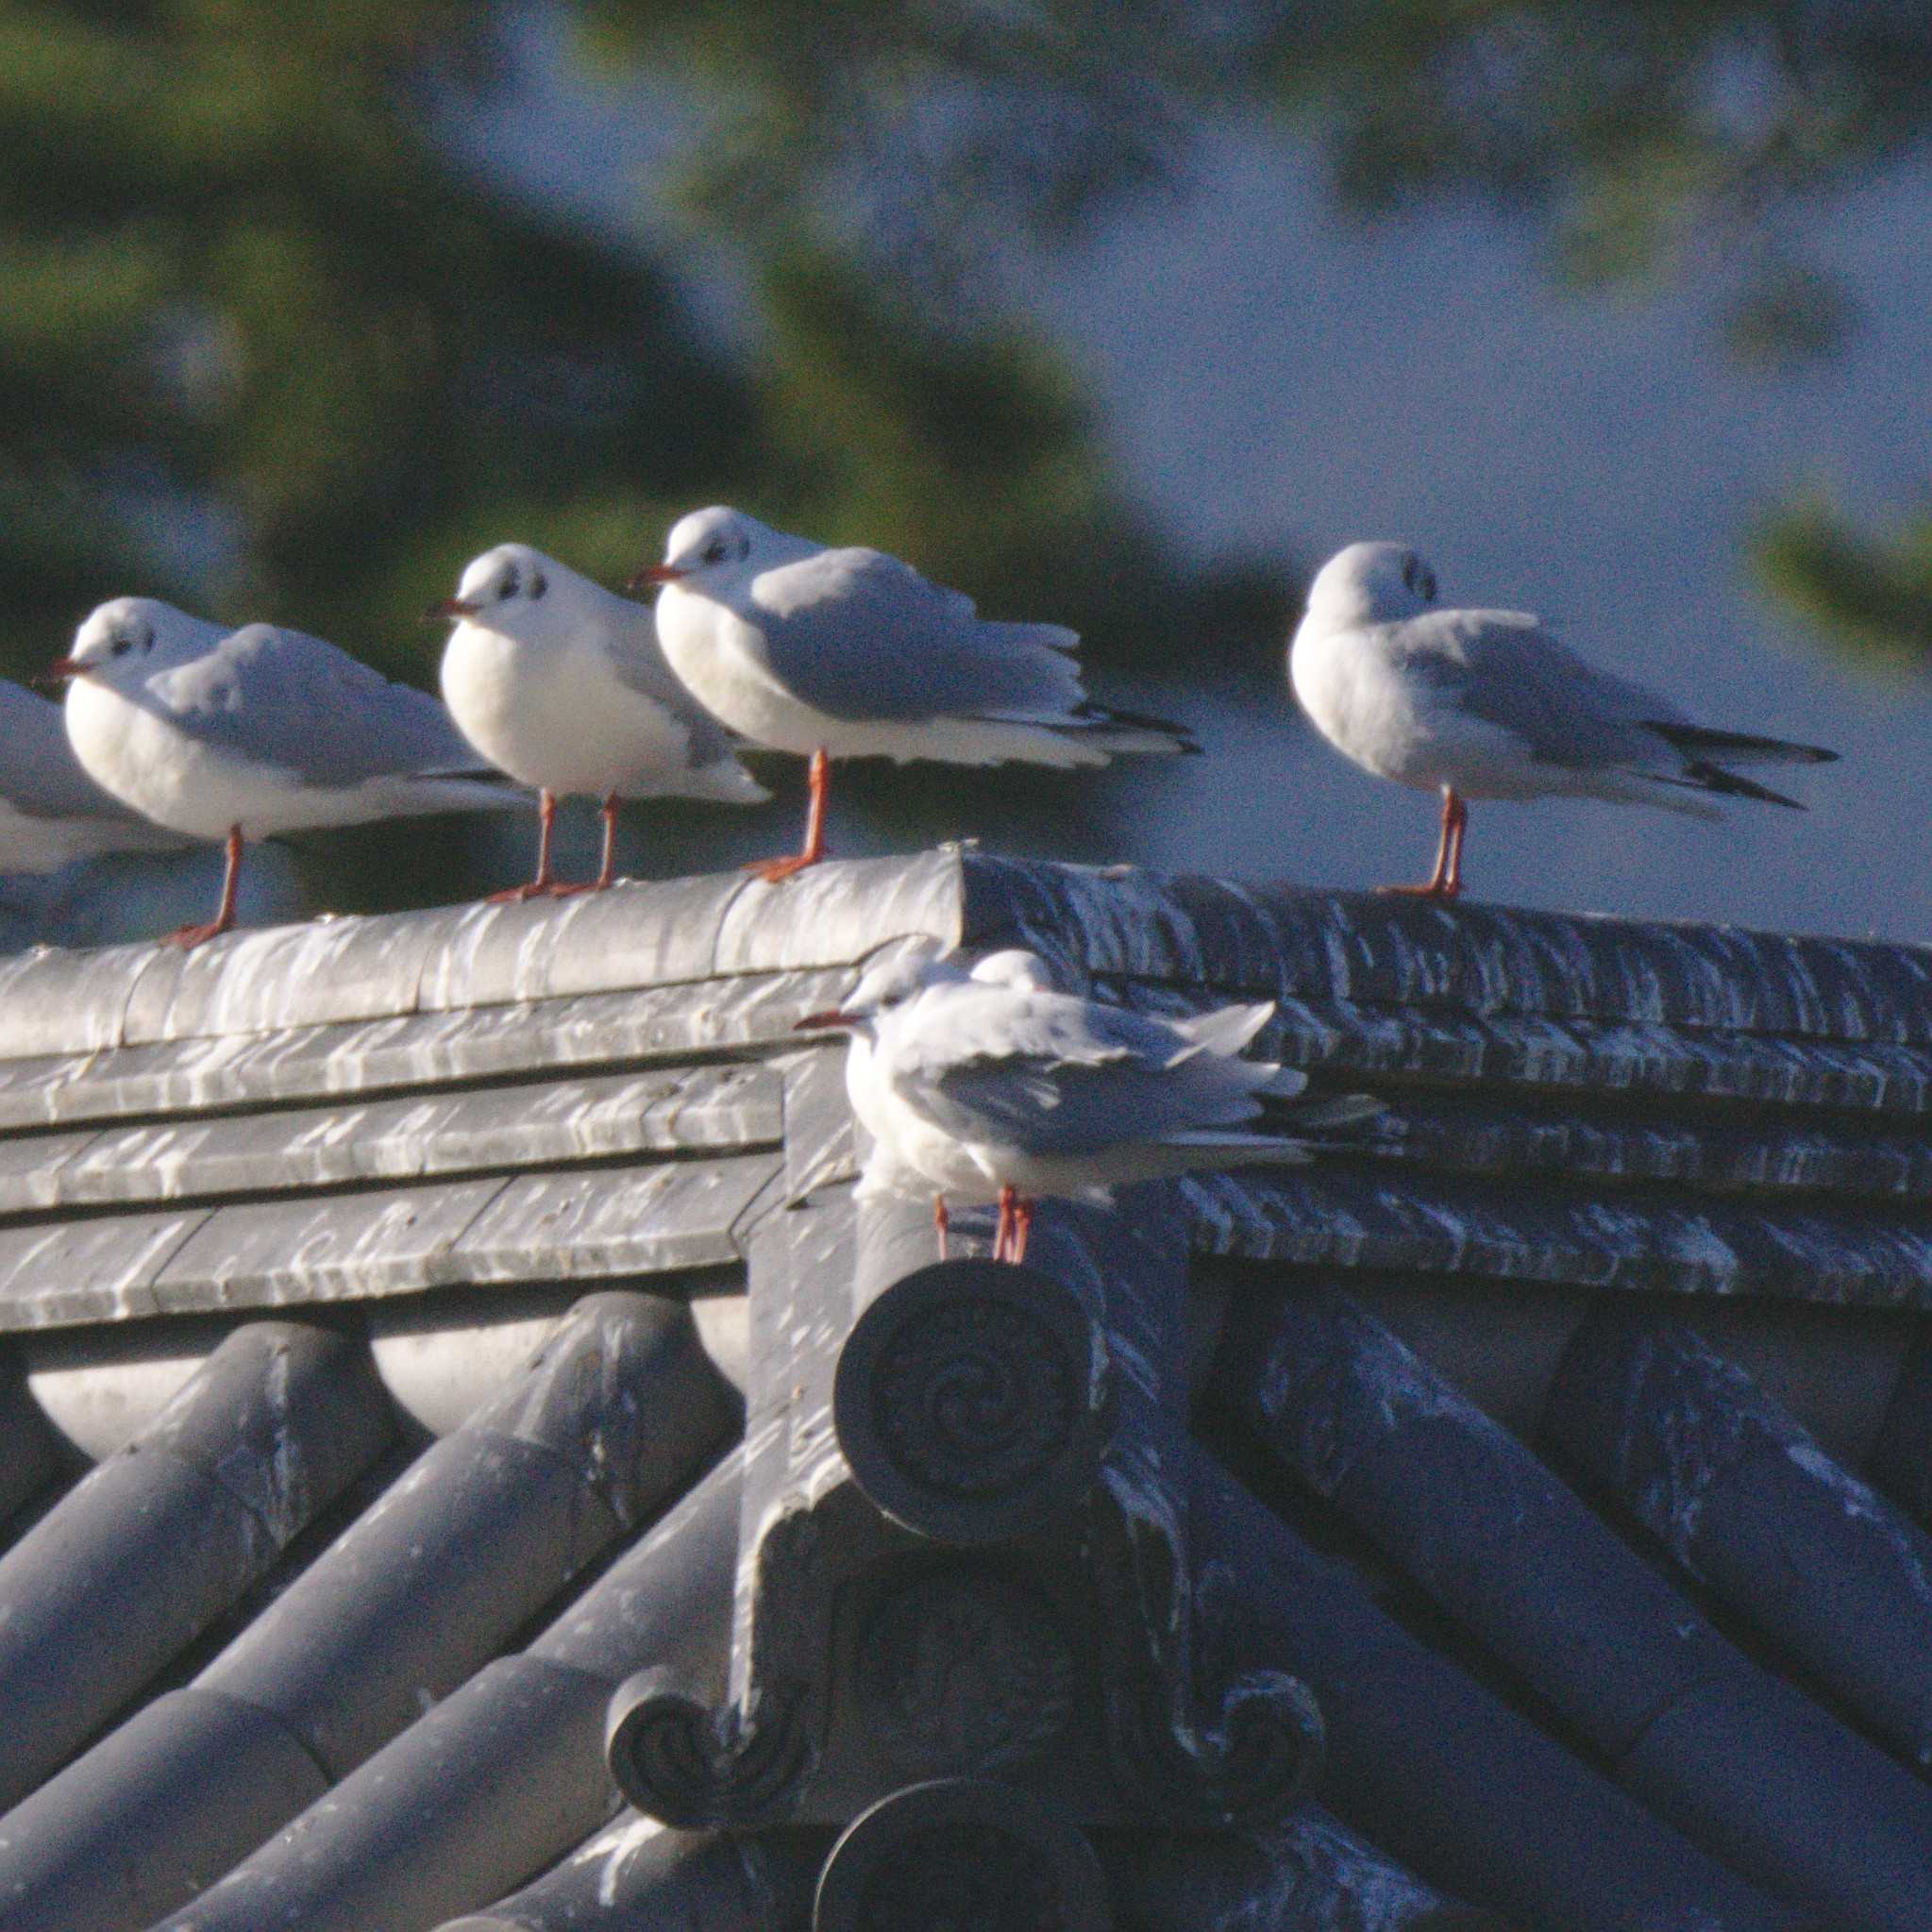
243	734
850	653
990	1086
561	683
1487	704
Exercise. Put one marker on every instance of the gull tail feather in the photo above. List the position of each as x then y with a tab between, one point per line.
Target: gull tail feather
1226	1029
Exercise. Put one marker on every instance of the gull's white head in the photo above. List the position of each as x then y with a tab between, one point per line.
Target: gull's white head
519	592
710	548
1371	583
1015	969
888	986
125	641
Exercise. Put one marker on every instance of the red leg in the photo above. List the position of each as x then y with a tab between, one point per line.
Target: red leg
606	871
1455	822
818	783
223	919
544	886
1023	1227
1002	1233
939	1221
1446	880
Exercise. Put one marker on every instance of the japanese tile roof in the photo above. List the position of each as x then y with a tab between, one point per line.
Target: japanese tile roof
374	1341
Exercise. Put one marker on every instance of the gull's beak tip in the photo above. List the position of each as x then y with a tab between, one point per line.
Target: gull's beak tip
820	1022
446	609
650	574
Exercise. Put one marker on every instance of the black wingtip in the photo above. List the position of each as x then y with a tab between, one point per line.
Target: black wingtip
1714	778
1693	740
1104	717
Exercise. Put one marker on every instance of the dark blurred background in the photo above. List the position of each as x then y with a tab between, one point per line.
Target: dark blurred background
1124	315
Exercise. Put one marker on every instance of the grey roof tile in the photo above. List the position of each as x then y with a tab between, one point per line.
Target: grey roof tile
610	1419
431	1120
1741	1762
634	1875
1826	1570
536	1123
134	1562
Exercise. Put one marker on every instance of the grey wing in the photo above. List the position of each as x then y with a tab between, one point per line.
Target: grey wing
1063	1076
632	650
38	775
286	700
858	634
1502	668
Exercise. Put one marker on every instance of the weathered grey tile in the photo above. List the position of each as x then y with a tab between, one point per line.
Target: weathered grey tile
88	1271
1581	1057
266	1253
1387	1217
835	914
286	976
535	1124
56	1002
1386	950
30	1165
415	1049
613	1222
636	934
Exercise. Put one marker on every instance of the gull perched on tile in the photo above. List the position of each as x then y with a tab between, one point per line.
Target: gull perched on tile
51	813
561	683
990	1086
233	736
850	653
1487	704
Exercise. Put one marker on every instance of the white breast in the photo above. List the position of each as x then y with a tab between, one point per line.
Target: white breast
1356	698
721	660
557	715
163	773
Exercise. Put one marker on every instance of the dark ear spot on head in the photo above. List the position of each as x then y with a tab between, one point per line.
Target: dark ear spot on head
539	584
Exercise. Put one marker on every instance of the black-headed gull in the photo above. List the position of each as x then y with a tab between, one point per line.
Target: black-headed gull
233	736
561	683
853	654
1487	704
990	1086
51	813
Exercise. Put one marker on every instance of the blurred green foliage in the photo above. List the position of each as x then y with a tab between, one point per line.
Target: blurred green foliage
1870	596
270	347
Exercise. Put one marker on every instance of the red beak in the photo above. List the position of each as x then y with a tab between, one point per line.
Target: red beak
818	1022
61	670
653	573
450	607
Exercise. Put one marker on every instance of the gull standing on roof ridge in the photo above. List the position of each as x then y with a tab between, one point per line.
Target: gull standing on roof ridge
1487	704
51	813
849	653
991	1085
233	736
561	683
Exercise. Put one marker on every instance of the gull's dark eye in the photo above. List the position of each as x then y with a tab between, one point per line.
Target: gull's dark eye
713	552
507	589
122	646
539	584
